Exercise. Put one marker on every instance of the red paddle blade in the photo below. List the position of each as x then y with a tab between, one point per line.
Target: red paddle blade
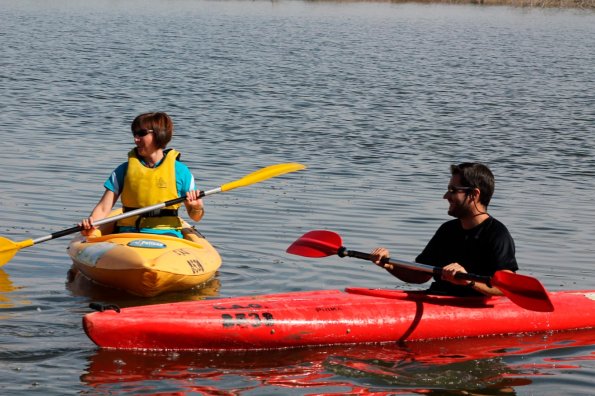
525	291
318	243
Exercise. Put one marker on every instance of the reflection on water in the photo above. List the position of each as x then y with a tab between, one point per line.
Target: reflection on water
377	98
6	287
493	365
6	284
82	286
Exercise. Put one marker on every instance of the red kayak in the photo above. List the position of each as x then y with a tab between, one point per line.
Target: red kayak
328	317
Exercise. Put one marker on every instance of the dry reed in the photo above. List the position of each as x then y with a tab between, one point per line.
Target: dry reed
578	4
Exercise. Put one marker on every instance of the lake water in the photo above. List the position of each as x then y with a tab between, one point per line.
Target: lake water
377	99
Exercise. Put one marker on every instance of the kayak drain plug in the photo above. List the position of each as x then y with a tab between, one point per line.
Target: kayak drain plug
102	307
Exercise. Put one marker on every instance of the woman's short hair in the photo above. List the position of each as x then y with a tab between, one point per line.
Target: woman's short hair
159	122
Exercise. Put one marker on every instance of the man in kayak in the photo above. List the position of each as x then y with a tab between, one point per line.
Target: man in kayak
152	174
474	242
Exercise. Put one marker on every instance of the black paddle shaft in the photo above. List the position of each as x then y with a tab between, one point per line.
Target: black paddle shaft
344	252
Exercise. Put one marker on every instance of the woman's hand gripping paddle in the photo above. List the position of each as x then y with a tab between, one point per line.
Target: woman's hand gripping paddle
525	291
9	248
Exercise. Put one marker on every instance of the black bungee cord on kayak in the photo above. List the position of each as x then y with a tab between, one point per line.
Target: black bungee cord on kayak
104	307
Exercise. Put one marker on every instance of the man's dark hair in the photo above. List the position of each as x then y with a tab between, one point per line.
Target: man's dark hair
476	175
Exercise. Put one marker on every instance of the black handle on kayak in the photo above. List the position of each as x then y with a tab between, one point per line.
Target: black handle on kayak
343	252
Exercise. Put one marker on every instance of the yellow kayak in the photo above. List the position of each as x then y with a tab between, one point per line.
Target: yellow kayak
145	264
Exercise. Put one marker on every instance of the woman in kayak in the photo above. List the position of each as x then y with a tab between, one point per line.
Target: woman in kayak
474	242
152	174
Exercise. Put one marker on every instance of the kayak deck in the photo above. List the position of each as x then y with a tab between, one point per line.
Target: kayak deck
329	317
145	264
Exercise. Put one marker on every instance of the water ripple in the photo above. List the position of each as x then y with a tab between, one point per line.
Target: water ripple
378	99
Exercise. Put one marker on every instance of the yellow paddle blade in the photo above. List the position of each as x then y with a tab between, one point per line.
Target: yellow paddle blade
9	248
263	174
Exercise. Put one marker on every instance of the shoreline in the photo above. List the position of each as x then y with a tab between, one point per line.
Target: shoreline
562	4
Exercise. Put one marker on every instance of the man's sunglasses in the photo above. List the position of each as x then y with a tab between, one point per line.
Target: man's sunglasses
456	189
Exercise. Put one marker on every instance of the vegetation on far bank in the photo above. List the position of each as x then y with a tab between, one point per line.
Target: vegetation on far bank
580	4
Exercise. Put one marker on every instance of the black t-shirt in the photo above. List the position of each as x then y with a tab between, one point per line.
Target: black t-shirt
482	250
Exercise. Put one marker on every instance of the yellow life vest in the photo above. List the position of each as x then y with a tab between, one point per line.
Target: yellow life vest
145	186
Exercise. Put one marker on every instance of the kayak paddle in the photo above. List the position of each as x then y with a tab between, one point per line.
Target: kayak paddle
9	248
525	291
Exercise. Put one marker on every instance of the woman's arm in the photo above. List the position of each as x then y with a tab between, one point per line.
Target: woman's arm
101	210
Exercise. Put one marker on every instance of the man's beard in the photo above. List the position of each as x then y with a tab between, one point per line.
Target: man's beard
460	211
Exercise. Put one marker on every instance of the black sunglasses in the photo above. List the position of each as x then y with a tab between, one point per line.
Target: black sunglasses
141	132
456	189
